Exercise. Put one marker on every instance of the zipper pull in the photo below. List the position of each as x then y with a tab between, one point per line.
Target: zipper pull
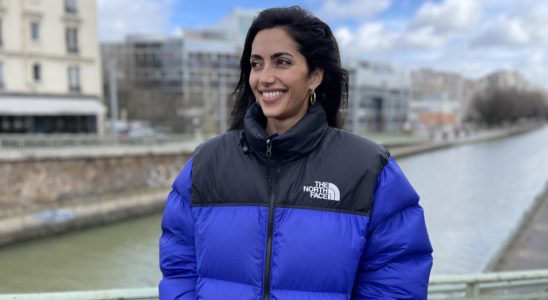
269	147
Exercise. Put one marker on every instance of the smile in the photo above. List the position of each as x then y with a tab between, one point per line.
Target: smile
271	96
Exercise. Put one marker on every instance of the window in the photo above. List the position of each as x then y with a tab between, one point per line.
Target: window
72	40
74	78
70	6
36	72
1	74
35	31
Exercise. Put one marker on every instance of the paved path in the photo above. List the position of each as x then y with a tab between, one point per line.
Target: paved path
528	248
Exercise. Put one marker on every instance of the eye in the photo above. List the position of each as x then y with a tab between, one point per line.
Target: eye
255	65
284	62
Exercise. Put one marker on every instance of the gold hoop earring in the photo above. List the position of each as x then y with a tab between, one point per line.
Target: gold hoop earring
312	98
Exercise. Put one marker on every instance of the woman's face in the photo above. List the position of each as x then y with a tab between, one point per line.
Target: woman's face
280	79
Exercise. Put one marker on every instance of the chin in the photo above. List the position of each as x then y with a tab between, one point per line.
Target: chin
270	113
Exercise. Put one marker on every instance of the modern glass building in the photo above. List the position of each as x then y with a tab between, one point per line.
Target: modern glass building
378	97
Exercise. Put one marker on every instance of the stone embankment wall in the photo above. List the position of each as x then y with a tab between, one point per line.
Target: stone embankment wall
33	180
64	177
50	191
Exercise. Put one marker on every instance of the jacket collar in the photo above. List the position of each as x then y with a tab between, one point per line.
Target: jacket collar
299	140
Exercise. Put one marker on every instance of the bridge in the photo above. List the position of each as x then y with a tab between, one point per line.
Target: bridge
503	285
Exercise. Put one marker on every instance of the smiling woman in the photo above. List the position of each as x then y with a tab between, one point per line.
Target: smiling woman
286	205
280	79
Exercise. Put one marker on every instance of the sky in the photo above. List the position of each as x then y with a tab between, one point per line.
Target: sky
470	37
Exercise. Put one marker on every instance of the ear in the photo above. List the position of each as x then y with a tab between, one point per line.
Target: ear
316	78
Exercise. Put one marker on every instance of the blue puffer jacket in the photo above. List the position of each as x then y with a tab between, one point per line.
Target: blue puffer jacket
315	213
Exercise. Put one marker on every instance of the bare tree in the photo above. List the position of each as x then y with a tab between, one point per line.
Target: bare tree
508	105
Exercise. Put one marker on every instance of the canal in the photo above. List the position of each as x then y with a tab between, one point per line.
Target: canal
473	196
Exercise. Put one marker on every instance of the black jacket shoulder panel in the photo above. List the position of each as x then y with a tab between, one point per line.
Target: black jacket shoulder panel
360	147
340	175
224	174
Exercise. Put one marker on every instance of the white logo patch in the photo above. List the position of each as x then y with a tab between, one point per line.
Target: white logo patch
323	190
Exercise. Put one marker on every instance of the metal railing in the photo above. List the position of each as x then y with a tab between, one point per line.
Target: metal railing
23	141
121	294
46	141
503	285
531	284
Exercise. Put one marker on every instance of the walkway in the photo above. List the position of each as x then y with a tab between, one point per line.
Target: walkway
528	248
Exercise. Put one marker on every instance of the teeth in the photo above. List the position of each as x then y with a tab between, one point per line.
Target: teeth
272	94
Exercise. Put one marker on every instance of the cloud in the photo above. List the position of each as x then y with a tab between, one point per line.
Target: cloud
375	37
503	31
118	18
424	38
337	9
469	37
534	66
431	28
448	17
344	36
370	38
525	27
435	25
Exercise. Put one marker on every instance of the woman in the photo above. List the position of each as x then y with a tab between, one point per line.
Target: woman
286	205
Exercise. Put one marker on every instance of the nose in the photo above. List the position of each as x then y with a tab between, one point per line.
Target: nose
266	77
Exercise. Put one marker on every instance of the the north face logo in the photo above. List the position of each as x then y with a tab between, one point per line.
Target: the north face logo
323	190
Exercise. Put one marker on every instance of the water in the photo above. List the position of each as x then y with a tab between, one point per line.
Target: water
122	255
473	196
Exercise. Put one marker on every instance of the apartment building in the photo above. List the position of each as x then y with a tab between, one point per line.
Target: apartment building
50	80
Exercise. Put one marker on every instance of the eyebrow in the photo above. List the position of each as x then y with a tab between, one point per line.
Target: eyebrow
275	55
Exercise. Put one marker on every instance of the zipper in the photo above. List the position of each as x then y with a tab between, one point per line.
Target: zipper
268	149
272	179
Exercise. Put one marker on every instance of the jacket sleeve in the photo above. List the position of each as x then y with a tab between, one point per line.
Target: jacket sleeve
177	253
397	257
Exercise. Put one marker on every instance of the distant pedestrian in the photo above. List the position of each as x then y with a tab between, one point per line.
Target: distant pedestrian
286	205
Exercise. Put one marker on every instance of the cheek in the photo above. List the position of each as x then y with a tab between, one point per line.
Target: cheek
300	87
252	81
299	81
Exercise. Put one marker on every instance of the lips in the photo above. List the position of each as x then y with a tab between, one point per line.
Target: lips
272	95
